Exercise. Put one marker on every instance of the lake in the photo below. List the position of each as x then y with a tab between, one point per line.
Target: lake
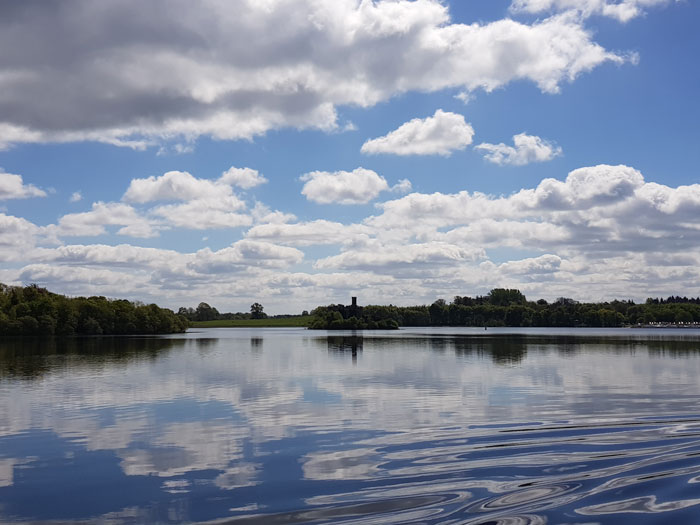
272	426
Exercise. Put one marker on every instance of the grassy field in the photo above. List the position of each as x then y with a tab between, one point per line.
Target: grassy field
255	323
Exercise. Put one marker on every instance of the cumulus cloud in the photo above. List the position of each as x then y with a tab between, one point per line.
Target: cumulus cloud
245	253
527	149
80	278
241	255
584	188
543	264
440	134
464	96
175	199
392	258
120	256
264	215
599	211
204	214
13	187
621	10
245	178
591	189
507	233
207	203
94	222
403	186
76	197
17	237
158	274
116	72
311	233
600	232
343	187
172	186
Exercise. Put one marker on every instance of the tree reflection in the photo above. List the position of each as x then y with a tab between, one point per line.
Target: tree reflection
508	350
345	344
34	357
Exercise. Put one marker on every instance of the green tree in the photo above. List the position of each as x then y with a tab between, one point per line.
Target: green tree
256	311
506	297
47	325
439	313
683	316
204	312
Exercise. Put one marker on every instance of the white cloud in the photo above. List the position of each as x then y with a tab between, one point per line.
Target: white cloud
440	134
190	203
17	237
264	215
93	222
403	186
343	187
207	203
245	178
527	149
157	274
465	96
381	257
597	212
240	256
76	196
243	254
507	233
102	254
11	134
590	189
204	214
621	10
543	264
312	233
234	84
13	187
172	186
176	149
121	283
583	188
434	210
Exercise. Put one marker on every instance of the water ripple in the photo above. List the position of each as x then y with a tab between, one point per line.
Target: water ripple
286	428
522	475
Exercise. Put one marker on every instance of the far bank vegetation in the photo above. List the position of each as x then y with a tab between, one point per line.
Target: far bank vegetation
32	310
509	307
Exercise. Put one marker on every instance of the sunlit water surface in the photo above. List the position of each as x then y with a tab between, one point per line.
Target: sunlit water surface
295	426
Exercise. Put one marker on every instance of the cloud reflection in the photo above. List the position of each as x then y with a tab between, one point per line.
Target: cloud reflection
199	412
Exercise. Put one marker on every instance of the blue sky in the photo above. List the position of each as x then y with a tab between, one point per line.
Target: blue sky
298	152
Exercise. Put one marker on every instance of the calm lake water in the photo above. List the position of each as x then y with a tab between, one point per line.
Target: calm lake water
272	426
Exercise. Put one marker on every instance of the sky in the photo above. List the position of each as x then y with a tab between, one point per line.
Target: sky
299	152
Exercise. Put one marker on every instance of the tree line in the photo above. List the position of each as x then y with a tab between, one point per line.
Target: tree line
32	310
205	312
510	307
